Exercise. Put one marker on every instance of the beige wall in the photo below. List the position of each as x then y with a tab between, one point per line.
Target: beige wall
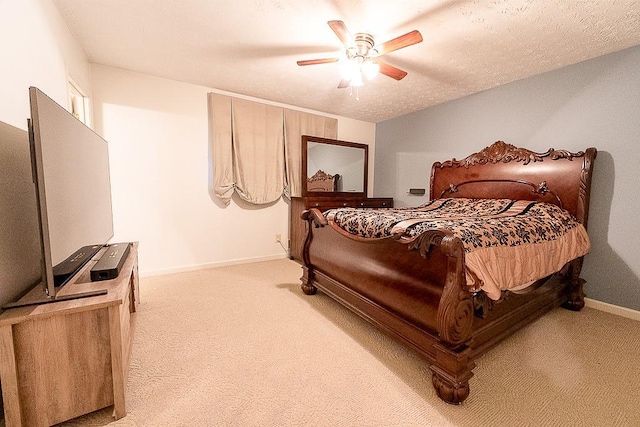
157	130
158	144
158	135
36	49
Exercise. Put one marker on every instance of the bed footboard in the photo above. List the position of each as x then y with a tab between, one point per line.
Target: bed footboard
416	295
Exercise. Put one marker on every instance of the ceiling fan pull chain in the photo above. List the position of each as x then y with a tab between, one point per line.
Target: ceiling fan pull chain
357	92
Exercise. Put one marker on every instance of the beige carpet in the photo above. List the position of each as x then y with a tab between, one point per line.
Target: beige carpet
243	346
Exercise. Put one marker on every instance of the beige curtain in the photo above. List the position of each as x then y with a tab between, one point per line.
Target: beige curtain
256	147
258	151
222	151
296	124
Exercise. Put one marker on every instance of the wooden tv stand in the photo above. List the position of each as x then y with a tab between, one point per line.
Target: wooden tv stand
61	360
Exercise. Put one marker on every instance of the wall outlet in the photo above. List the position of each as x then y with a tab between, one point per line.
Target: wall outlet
278	238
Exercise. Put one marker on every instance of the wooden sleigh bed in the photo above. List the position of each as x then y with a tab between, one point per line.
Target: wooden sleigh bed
414	287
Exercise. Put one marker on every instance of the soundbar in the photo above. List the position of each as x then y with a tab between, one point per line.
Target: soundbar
70	266
111	262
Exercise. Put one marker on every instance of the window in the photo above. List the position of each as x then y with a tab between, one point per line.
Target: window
79	103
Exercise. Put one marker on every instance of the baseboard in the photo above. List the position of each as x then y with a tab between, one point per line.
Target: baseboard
613	309
166	271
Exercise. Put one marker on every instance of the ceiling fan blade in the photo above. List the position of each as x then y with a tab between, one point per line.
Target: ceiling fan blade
341	31
405	40
344	83
317	61
391	71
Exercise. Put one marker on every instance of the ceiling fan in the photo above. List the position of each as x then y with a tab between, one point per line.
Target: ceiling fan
362	55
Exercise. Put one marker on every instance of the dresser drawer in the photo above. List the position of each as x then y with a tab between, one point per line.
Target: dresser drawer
329	204
375	203
324	204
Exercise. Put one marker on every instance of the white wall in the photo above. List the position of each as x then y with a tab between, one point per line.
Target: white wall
38	50
157	131
158	135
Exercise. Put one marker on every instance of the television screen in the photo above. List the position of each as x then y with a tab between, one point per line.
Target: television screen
71	164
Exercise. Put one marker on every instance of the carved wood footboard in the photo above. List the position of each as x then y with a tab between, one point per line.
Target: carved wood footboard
423	303
415	289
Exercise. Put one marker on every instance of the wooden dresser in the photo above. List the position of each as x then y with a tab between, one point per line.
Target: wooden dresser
297	227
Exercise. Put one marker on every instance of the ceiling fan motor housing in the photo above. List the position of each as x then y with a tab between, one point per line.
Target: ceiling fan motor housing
363	46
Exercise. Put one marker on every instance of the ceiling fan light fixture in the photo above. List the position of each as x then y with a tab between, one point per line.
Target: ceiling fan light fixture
357	68
370	69
356	80
348	68
361	53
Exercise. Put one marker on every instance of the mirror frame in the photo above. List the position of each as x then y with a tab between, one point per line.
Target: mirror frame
306	139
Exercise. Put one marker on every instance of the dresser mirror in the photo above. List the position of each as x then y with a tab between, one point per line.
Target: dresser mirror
334	168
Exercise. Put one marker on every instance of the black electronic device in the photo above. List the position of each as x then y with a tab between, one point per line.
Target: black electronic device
111	262
70	266
417	191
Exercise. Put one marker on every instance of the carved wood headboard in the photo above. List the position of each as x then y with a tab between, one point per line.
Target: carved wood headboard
322	181
505	171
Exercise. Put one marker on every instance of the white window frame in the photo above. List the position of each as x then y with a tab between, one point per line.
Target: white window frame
79	103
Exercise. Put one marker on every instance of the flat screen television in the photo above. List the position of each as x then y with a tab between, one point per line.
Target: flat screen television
70	164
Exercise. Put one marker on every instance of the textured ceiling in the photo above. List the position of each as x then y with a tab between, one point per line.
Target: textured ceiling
250	47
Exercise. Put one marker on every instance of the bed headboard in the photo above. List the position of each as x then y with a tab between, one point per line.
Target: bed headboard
505	171
322	181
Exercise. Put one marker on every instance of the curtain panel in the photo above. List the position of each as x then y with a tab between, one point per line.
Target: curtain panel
258	151
220	140
256	148
296	124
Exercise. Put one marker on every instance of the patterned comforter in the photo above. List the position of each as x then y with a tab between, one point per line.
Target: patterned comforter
508	244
